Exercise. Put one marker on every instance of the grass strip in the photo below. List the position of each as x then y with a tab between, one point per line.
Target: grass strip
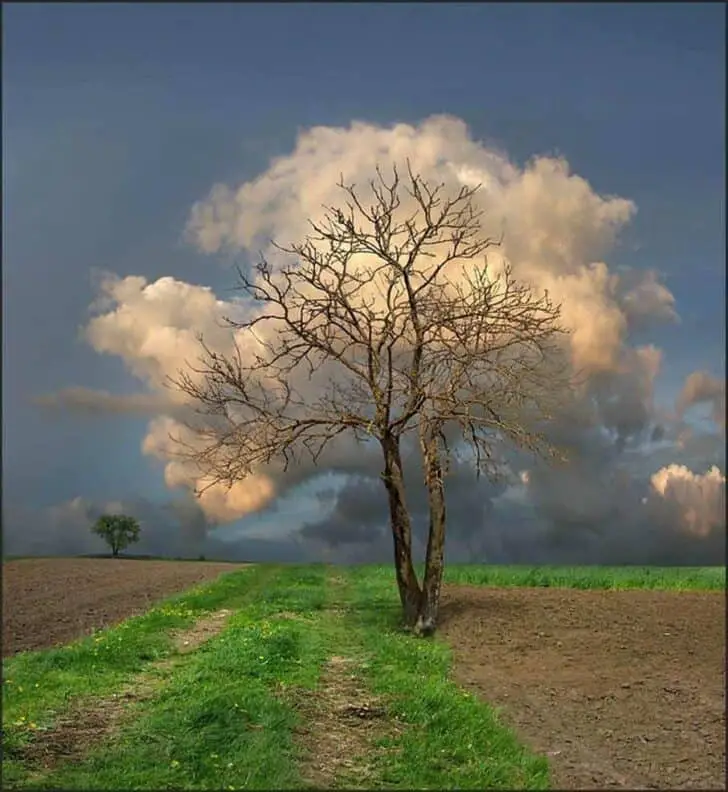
451	739
223	720
591	577
577	577
37	686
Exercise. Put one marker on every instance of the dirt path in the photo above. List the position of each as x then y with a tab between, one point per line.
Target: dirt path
90	723
341	718
340	721
620	689
52	601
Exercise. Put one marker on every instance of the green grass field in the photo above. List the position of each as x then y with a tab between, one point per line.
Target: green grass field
592	577
227	715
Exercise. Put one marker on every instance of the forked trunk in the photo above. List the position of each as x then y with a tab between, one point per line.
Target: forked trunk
434	562
409	590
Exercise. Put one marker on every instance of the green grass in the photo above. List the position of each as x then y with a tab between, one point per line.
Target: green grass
222	721
39	685
452	739
98	662
224	715
575	577
591	577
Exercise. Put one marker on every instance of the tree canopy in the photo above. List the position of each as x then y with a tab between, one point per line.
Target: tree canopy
118	530
387	319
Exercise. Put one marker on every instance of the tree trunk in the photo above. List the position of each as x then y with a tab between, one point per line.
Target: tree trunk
409	589
434	561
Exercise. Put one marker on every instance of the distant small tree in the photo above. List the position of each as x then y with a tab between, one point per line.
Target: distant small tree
117	530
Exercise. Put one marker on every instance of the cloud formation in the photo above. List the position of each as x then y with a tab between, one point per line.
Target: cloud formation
644	299
702	388
557	232
153	327
555	227
698	499
220	503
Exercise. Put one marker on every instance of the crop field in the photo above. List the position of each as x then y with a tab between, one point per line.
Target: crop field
195	675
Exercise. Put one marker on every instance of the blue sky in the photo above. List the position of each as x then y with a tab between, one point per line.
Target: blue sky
119	117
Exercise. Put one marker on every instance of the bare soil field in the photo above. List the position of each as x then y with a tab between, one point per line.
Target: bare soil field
619	688
51	601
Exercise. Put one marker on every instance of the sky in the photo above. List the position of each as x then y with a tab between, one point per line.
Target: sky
598	132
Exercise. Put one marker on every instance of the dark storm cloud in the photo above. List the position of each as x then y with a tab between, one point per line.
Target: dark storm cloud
600	507
358	524
360	506
625	398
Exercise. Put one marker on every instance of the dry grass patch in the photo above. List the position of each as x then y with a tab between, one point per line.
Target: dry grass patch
341	721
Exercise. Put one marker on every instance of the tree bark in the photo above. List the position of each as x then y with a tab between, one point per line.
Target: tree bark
426	621
410	593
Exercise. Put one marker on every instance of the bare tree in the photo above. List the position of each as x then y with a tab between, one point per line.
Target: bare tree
394	303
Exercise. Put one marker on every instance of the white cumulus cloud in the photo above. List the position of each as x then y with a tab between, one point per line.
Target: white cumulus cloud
557	232
698	498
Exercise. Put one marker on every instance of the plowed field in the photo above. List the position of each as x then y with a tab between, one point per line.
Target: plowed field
51	601
621	689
